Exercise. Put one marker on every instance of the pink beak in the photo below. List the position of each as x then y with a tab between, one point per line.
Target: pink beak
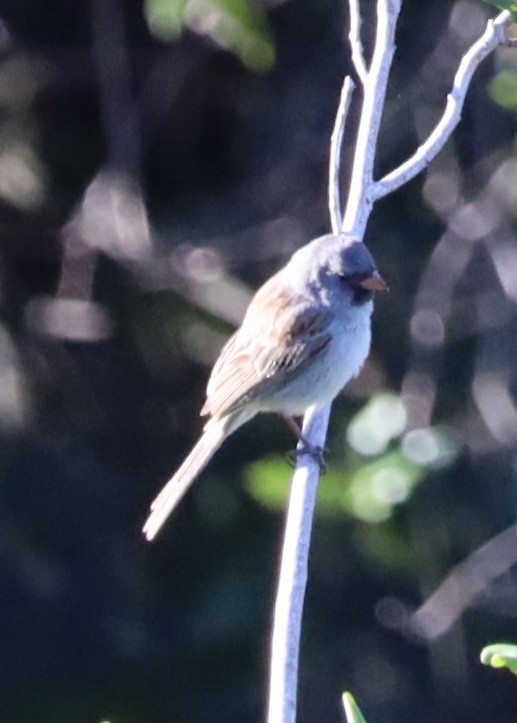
375	282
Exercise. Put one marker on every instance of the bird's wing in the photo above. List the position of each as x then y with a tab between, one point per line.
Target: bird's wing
279	336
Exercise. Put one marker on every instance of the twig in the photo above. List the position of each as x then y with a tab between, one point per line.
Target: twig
360	198
493	36
285	641
356	45
336	141
362	194
464	584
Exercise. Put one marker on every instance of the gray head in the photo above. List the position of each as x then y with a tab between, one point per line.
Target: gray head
342	265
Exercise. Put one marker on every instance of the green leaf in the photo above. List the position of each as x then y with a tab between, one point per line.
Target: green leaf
503	89
267	481
503	4
376	488
165	18
352	712
500	655
240	26
387	544
369	492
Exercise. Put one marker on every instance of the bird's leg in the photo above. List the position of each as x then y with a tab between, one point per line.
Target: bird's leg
317	453
292	424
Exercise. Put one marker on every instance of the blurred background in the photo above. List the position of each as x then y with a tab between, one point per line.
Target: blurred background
159	159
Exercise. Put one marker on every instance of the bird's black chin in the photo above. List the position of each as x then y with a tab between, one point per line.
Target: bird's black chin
357	287
361	296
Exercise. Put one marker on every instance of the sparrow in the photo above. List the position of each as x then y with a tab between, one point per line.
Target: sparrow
305	334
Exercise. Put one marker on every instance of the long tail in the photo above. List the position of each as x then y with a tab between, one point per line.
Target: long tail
208	444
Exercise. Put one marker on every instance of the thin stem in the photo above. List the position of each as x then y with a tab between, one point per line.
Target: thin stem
362	194
293	571
285	641
493	36
356	45
336	142
464	584
360	199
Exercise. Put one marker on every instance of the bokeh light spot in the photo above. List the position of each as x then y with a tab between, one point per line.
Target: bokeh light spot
430	447
380	421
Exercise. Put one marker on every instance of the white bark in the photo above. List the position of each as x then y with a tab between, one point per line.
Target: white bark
363	192
360	201
336	143
285	642
494	35
354	37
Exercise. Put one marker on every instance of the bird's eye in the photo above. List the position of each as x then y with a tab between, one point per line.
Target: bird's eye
360	295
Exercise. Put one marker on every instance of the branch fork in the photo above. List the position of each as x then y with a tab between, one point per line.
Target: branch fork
363	192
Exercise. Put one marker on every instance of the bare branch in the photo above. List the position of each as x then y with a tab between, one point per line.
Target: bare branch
494	35
355	41
463	585
336	141
360	199
362	194
293	571
285	642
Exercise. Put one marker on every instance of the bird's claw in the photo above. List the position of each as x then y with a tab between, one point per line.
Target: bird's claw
304	447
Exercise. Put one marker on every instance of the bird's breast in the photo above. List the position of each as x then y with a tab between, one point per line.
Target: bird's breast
322	380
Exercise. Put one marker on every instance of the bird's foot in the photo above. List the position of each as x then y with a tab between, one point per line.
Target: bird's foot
305	447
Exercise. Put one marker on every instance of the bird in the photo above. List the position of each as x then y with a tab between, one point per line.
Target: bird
305	334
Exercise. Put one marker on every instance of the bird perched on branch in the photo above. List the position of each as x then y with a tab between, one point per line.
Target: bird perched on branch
305	334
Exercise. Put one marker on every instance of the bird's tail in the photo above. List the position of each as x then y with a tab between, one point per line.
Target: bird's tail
167	499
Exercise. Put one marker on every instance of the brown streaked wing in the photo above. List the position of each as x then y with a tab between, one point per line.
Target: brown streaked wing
279	335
